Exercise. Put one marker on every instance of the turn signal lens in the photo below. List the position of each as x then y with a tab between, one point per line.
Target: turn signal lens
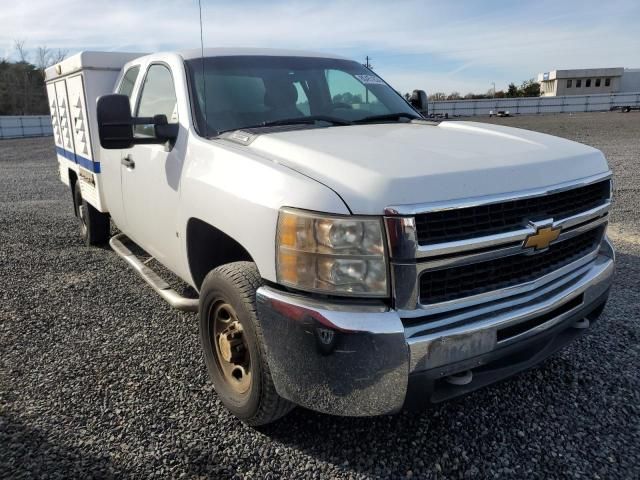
331	254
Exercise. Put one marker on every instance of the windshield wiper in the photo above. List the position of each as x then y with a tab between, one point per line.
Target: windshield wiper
302	120
310	120
387	116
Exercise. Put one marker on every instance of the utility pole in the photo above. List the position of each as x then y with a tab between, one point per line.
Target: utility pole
369	67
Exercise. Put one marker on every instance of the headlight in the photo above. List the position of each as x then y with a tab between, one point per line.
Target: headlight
331	254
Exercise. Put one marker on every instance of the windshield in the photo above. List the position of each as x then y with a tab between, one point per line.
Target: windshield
248	91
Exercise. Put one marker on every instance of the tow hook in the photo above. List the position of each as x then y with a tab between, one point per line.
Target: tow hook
582	324
326	339
462	378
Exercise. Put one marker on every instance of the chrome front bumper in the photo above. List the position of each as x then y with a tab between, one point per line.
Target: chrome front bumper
355	358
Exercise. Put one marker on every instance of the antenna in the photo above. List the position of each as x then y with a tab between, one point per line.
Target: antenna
204	80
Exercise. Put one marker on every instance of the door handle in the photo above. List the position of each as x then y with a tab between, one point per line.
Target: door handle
128	162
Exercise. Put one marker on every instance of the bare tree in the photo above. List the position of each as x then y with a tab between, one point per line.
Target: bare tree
23	54
48	57
43	55
58	56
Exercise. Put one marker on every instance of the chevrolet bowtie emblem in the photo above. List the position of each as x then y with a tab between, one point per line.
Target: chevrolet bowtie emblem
542	238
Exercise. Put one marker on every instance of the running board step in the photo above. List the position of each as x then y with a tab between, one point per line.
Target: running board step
172	297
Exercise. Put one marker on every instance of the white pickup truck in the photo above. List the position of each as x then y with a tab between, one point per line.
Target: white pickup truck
349	256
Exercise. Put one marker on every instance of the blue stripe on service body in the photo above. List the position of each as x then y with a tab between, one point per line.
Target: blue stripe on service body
66	154
79	159
88	164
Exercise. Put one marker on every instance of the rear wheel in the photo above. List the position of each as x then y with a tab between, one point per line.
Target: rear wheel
94	225
231	338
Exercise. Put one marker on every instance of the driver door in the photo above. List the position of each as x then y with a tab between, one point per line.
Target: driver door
151	173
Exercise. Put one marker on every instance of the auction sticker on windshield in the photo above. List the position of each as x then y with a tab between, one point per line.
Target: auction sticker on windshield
370	79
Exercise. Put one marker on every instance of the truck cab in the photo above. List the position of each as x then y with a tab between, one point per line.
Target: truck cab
347	254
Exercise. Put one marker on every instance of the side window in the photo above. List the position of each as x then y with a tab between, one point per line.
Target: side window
158	97
128	81
347	92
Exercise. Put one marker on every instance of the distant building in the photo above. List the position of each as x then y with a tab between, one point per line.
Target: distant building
589	81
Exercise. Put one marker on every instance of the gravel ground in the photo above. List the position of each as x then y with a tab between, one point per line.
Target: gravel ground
100	378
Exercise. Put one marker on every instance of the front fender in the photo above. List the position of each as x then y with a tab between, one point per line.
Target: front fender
240	193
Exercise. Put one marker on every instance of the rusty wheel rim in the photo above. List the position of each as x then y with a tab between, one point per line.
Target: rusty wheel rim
232	352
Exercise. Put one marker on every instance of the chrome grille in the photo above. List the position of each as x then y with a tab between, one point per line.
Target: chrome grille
486	266
475	278
463	223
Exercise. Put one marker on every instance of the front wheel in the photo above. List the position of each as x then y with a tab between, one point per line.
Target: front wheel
233	347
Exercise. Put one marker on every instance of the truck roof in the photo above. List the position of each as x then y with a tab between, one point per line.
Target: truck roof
90	60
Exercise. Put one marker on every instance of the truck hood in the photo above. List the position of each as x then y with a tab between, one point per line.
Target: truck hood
376	166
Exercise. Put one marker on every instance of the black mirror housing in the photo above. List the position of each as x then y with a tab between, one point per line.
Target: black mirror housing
166	132
419	101
115	125
163	130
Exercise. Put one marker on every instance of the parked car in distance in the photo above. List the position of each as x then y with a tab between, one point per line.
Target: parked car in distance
625	108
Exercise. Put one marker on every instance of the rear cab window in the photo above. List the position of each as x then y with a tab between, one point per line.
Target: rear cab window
129	81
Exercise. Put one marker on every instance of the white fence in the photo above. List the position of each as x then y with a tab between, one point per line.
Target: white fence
40	125
533	105
25	126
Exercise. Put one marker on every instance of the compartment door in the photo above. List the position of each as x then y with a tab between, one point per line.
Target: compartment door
55	119
66	148
84	157
63	166
80	124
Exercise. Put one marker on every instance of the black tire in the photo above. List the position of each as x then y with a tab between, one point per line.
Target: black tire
235	285
94	225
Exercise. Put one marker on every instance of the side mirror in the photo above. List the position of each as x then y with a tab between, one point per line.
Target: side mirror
115	124
419	101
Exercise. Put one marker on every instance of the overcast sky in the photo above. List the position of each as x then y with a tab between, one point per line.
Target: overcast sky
432	45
